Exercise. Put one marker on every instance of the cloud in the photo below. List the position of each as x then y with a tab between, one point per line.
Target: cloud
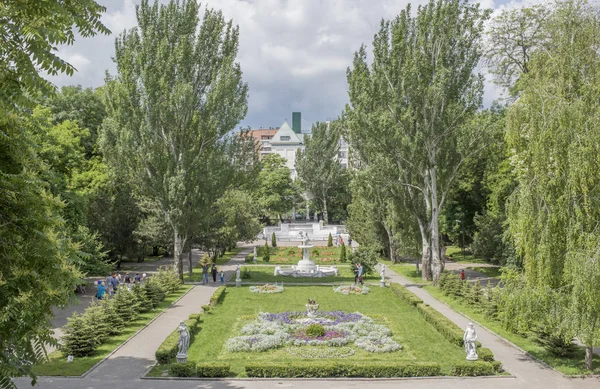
293	53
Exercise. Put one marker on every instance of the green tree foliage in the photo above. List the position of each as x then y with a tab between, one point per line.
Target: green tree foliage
411	106
318	165
266	254
125	304
554	139
276	191
31	31
366	256
343	253
273	240
80	339
329	240
168	122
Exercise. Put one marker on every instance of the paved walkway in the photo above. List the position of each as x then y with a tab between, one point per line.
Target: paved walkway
124	368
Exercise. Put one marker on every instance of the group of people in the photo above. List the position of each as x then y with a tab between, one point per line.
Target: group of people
213	271
110	286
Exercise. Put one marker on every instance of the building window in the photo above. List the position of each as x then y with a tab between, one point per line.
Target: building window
266	149
342	154
284	138
265	137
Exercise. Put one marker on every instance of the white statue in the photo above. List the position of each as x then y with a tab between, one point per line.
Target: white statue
469	339
184	341
382	273
237	273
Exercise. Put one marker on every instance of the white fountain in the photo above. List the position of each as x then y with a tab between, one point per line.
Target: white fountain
306	267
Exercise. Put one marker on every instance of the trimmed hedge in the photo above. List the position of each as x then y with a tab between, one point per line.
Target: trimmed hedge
405	294
168	349
322	370
187	369
447	328
497	366
218	296
473	369
212	369
485	354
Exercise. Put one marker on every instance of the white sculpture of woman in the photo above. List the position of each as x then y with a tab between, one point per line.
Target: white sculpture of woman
184	340
469	339
237	273
382	273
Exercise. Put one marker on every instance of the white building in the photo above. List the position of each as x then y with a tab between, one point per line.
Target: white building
286	143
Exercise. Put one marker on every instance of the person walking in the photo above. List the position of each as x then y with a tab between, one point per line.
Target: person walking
115	282
109	285
222	276
205	274
360	273
214	273
462	274
356	274
101	291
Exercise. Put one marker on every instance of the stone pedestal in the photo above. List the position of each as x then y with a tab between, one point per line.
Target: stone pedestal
181	358
238	282
382	284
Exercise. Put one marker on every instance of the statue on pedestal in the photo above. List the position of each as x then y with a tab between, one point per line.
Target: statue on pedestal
382	273
184	343
469	339
237	273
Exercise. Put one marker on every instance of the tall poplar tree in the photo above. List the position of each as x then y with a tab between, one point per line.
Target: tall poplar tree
177	93
410	106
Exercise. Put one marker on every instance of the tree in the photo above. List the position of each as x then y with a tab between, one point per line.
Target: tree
317	165
177	94
411	105
273	240
276	192
343	253
513	36
30	33
266	254
554	136
329	240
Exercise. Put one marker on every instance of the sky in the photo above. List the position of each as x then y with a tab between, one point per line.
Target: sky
293	53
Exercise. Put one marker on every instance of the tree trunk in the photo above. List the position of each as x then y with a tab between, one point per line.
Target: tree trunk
325	216
391	244
190	262
436	262
589	353
178	245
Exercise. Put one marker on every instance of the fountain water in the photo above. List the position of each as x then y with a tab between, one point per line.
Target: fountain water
306	267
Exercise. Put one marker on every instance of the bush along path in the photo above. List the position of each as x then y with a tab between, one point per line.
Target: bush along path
513	360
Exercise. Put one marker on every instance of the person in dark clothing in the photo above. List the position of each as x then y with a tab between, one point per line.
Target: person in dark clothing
214	273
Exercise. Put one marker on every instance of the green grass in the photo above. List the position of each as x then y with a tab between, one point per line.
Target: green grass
197	270
57	364
455	254
321	255
420	341
568	366
261	274
488	271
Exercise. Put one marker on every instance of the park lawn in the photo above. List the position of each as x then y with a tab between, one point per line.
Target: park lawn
321	255
567	366
455	254
57	364
490	271
262	274
420	341
197	270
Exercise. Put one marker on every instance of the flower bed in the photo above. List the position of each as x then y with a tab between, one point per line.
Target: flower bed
352	289
267	288
274	330
320	352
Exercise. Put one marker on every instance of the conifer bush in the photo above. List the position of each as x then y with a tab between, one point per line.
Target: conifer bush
475	293
154	293
115	322
145	304
343	253
273	240
79	339
266	254
125	304
329	240
94	317
167	279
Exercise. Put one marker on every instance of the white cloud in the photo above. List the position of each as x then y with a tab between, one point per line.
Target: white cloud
294	53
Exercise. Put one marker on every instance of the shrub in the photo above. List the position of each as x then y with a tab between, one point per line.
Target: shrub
314	330
333	369
187	369
485	354
343	253
366	256
405	294
212	369
475	293
553	342
273	240
472	369
94	318
125	305
154	293
497	366
245	274
115	322
329	240
167	279
145	304
205	308
443	325
218	296
249	258
266	255
79	339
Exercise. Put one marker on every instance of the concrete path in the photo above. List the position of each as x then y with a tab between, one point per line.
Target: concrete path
124	368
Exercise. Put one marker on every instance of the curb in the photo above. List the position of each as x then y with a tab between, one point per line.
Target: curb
391	379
